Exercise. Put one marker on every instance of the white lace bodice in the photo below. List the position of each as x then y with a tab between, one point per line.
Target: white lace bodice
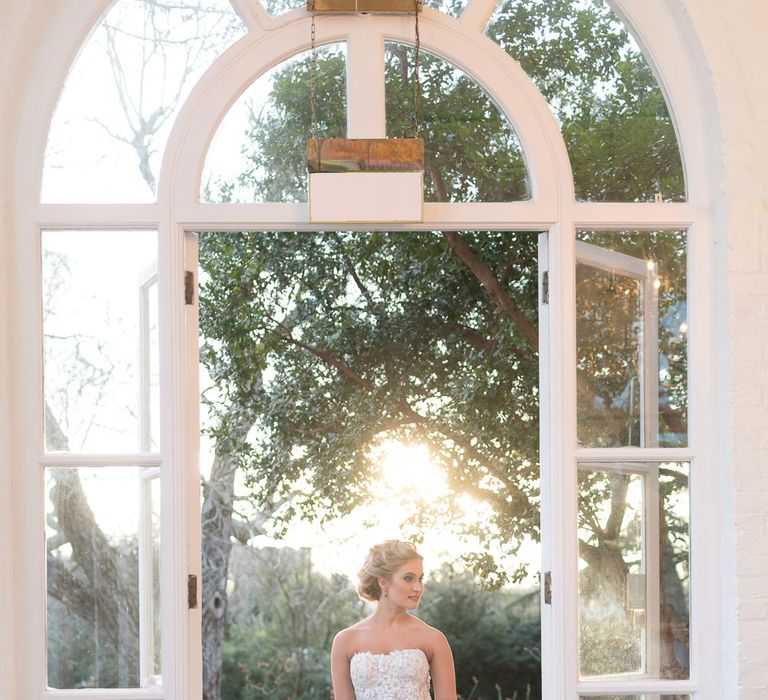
398	675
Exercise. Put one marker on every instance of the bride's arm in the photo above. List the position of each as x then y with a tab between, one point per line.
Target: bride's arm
342	683
443	672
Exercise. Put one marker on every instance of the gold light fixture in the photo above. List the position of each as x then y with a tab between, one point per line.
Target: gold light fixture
365	180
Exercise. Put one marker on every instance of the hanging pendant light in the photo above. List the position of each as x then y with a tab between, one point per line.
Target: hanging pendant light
365	180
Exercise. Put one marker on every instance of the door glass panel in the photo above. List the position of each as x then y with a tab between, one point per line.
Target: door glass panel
634	569
631	326
119	103
100	340
471	151
259	153
102	537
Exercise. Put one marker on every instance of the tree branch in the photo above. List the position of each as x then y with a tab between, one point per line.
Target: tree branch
330	359
497	293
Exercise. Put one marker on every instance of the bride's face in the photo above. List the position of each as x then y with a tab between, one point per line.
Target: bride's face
407	584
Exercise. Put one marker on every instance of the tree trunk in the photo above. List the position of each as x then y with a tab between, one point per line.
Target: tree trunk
219	492
108	599
607	558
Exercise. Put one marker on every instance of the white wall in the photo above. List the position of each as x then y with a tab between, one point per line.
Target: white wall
11	23
732	37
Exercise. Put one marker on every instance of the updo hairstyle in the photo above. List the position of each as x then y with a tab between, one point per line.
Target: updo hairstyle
382	561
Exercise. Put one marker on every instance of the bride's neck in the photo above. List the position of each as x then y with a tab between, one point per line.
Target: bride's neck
388	614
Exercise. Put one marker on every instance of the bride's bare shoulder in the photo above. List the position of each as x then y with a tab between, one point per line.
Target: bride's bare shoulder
431	634
349	633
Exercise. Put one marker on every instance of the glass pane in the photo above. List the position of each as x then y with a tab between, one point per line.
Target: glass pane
359	386
472	154
100	340
631	326
634	570
99	537
123	93
259	153
615	122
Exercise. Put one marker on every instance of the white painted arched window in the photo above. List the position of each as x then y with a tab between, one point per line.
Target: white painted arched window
113	415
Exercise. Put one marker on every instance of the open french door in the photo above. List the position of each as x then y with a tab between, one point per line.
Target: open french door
572	475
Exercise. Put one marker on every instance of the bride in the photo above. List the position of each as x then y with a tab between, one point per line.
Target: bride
391	654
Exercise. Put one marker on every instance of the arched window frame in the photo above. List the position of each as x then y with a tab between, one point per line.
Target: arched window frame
552	207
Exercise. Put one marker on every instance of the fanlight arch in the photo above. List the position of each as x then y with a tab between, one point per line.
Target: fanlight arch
498	75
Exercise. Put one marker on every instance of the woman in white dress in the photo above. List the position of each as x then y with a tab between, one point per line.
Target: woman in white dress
390	655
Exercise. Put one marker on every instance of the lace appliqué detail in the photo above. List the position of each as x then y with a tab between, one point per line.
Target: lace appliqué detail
398	675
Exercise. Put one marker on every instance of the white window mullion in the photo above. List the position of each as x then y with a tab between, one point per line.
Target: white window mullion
97	216
180	662
122	694
366	118
629	215
192	465
710	548
559	478
75	460
634	454
612	688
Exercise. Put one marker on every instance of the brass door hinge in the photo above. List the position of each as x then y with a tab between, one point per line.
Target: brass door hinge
189	288
192	591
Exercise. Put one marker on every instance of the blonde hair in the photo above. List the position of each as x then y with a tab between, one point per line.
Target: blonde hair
382	561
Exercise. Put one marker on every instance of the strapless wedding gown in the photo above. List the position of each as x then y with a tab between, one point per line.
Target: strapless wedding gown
398	675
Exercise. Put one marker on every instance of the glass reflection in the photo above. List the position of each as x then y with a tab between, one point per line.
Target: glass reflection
102	537
634	570
100	341
632	338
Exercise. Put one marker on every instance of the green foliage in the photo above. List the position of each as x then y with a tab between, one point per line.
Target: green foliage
614	119
280	647
279	637
615	122
494	635
330	342
276	145
471	151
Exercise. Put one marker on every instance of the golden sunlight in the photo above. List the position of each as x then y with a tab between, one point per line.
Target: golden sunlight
408	468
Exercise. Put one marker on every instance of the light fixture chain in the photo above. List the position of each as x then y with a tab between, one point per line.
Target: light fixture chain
313	74
416	77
